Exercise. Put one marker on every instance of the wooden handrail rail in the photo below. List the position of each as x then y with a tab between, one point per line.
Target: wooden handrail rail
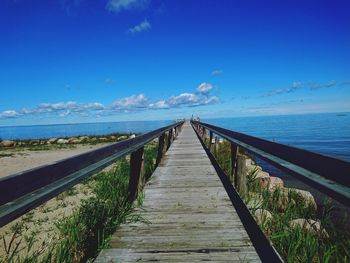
329	175
26	190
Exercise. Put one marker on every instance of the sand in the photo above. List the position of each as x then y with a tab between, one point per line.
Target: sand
40	222
22	160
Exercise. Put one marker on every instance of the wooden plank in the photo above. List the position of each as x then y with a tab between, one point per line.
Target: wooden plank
187	214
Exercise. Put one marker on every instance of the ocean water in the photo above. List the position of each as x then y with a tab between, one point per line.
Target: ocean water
327	133
70	130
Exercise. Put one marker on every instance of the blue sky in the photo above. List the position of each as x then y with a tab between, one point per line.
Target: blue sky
64	61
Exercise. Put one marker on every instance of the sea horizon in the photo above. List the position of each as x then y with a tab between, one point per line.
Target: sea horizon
323	133
188	118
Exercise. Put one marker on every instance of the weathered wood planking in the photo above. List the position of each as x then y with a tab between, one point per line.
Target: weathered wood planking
191	218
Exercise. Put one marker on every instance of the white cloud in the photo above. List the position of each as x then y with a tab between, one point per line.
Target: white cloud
191	100
94	106
217	72
65	113
120	5
204	88
143	26
9	114
161	104
134	101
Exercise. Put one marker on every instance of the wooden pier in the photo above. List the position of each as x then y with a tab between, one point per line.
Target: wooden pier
187	215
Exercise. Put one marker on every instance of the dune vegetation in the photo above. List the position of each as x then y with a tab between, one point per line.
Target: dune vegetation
101	204
300	230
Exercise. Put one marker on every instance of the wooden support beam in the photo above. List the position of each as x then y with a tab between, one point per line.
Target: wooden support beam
203	133
234	153
241	175
210	139
166	141
136	179
216	146
161	146
170	136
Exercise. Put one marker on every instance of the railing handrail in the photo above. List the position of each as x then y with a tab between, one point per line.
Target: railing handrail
327	174
26	190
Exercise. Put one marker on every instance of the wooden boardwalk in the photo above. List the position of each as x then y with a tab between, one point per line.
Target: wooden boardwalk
191	218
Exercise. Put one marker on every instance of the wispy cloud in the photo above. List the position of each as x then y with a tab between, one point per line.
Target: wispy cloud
217	72
134	103
143	26
295	86
330	84
121	5
204	88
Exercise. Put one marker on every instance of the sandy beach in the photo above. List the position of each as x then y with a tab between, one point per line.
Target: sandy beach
40	222
21	160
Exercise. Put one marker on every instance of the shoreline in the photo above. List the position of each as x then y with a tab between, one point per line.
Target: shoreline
21	155
22	160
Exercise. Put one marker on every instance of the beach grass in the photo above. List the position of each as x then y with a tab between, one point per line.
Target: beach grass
5	154
80	236
331	243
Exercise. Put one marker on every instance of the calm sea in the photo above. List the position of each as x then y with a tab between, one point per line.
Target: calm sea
328	134
70	130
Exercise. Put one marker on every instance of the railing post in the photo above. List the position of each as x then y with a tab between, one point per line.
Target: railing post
160	154
216	146
170	136
136	179
203	134
166	142
210	139
241	175
234	153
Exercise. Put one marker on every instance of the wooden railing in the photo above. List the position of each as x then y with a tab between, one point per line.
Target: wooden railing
329	175
24	191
